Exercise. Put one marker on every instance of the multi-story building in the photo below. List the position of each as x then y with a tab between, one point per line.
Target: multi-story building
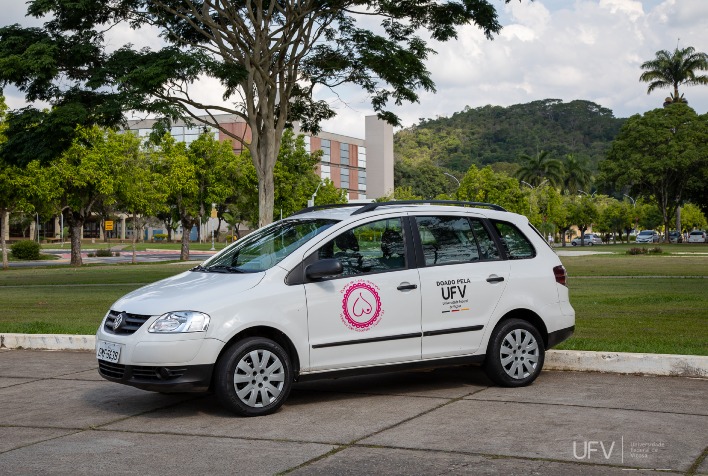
362	167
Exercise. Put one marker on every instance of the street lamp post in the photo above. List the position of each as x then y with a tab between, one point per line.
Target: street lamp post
453	178
634	204
311	201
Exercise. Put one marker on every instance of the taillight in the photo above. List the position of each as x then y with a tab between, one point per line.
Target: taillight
561	276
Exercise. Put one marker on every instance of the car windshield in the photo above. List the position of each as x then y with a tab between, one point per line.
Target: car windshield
266	247
696	232
646	233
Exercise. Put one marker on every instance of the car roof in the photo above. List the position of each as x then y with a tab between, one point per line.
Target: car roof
344	212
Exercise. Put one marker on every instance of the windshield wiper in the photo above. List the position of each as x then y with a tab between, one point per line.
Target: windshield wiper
199	267
222	268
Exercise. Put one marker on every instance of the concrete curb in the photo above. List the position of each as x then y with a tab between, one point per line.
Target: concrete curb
627	363
570	360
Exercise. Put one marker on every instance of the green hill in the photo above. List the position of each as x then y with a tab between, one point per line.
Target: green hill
494	134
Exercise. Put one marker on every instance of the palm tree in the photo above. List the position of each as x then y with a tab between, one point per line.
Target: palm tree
672	69
537	168
577	176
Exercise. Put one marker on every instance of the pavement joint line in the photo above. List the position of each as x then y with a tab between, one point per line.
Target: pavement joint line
514	457
389	427
697	464
373	394
41	441
19	383
571	405
205	435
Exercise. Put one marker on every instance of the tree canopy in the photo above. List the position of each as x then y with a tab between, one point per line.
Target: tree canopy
657	154
267	56
672	69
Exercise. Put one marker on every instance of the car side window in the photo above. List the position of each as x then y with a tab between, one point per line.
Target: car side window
374	247
450	239
516	244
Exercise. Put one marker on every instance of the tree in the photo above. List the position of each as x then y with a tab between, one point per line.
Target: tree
86	175
141	189
693	218
535	169
329	194
268	56
582	213
487	186
617	217
657	154
576	174
668	70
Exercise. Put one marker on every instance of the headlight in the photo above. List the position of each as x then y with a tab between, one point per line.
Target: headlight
181	321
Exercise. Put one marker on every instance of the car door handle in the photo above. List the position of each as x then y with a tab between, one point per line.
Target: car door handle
495	279
406	287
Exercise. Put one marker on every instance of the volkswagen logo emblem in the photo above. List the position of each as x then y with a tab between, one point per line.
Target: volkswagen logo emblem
120	318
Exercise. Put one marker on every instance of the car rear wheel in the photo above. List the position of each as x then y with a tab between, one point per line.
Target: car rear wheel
253	377
515	354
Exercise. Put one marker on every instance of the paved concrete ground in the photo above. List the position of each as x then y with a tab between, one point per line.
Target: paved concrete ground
57	416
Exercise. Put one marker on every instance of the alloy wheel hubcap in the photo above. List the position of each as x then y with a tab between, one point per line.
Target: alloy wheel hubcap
519	354
259	378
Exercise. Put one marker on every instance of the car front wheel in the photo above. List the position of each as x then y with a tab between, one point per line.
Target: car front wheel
253	377
515	354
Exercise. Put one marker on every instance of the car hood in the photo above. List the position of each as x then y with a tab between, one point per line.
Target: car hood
188	291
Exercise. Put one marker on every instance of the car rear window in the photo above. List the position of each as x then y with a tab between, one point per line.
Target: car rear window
514	241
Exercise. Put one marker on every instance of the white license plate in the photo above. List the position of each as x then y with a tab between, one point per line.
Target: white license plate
108	351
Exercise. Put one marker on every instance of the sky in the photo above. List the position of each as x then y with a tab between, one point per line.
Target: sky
561	49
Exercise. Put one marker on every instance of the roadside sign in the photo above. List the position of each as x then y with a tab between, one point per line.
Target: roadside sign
109	225
213	213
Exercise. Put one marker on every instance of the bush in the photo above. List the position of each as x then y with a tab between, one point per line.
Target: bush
655	251
637	251
26	249
103	253
159	236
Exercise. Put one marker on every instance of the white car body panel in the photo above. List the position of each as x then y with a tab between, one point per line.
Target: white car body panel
310	315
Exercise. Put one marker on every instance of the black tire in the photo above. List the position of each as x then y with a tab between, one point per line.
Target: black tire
514	367
574	243
261	392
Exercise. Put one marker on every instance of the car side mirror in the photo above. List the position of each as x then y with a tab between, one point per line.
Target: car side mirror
324	268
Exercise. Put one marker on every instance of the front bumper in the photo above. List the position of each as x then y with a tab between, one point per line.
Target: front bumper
166	379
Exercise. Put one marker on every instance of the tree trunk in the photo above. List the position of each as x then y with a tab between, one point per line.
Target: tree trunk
266	198
186	230
678	220
135	218
3	244
76	229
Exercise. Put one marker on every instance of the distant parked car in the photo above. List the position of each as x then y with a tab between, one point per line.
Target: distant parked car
590	239
697	236
648	236
675	237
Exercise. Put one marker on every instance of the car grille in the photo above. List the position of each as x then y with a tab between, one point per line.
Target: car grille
111	370
130	324
117	371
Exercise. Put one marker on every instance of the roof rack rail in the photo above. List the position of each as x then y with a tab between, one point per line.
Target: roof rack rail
374	205
324	207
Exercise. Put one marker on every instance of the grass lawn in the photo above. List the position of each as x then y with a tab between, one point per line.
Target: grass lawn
656	315
662	316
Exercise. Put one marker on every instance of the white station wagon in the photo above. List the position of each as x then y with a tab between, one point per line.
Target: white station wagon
337	290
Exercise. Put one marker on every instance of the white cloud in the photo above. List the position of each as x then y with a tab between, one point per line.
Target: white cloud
584	49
